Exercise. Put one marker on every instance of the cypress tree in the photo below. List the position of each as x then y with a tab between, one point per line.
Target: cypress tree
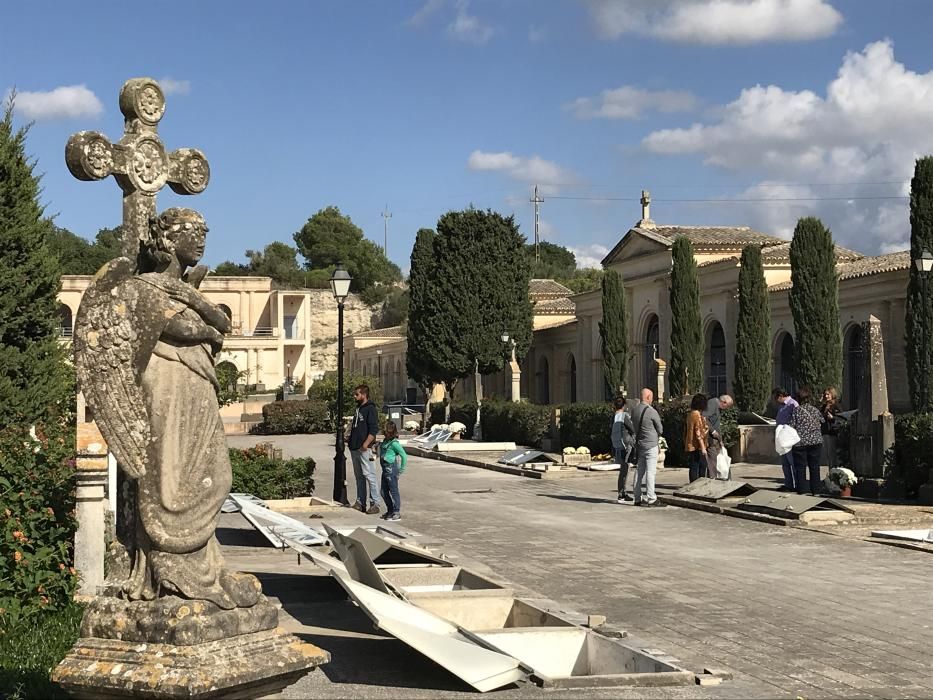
919	318
481	278
613	330
814	303
33	375
752	358
686	373
418	361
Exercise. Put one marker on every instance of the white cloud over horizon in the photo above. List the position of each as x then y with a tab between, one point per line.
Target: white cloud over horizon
589	255
469	28
869	127
171	86
530	170
629	102
424	13
716	22
65	102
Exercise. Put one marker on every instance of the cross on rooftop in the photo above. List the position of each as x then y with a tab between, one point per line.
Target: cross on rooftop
138	162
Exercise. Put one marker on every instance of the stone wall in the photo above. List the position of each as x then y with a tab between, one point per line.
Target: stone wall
357	317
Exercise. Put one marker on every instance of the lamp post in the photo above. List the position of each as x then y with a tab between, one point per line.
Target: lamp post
288	379
924	265
340	286
516	373
379	370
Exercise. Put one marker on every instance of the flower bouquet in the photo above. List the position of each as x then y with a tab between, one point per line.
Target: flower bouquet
457	429
412	426
842	480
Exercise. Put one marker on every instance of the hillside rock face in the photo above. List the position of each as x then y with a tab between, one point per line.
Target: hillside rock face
357	317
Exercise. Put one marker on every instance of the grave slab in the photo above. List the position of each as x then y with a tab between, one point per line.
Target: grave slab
706	489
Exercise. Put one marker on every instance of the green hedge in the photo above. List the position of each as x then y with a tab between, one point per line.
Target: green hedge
460	411
587	425
265	477
292	417
908	464
32	647
673	416
37	523
523	423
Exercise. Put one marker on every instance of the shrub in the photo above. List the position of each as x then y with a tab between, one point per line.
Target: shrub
325	390
32	647
290	417
586	424
255	472
462	411
908	464
524	423
37	524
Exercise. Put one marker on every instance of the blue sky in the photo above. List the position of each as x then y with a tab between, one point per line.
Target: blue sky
804	106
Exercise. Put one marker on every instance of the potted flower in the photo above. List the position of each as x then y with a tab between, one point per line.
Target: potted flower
662	452
412	426
457	429
844	479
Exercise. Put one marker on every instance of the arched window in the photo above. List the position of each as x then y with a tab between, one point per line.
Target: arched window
226	310
784	364
573	379
854	367
65	326
227	375
652	342
716	361
544	382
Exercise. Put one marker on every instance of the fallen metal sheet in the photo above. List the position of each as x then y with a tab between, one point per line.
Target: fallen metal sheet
429	439
519	457
705	489
359	565
911	535
384	552
230	506
318	555
789	505
599	467
275	526
437	639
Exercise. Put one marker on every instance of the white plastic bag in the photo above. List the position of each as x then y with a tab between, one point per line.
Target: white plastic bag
723	465
785	437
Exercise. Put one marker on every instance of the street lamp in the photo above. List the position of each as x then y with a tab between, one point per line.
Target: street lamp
288	378
925	262
340	286
379	371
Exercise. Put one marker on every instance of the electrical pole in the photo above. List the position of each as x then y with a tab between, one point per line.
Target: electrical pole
536	200
386	215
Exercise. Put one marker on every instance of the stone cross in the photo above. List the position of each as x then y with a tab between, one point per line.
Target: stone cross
138	162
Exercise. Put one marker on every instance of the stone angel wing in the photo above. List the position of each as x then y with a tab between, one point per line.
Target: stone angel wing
106	345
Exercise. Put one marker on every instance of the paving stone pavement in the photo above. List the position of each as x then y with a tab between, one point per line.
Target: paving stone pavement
793	613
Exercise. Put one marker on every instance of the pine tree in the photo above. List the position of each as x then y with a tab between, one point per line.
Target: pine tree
686	368
33	375
752	358
418	361
613	330
481	283
919	318
814	303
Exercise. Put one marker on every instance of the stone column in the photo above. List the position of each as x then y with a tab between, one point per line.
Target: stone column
662	372
92	474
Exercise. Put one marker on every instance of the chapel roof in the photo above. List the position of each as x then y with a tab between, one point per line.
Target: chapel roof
780	253
863	267
547	288
562	307
391	332
703	238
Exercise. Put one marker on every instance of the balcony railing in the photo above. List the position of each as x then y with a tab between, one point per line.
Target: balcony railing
65	331
257	332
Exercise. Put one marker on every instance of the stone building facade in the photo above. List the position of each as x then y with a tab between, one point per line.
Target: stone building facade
564	363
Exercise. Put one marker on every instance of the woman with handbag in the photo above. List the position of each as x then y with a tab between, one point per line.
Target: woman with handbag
696	437
829	409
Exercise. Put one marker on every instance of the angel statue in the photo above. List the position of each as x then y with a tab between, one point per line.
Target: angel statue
144	349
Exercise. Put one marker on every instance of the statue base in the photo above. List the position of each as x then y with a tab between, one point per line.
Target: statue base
176	648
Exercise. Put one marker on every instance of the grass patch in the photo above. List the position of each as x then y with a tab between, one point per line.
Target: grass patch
30	649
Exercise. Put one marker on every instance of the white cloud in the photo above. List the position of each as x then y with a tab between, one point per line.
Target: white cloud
66	102
424	13
590	255
869	127
716	21
469	28
532	170
170	86
537	34
629	102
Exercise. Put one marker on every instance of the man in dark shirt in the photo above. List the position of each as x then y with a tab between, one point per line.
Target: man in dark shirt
363	431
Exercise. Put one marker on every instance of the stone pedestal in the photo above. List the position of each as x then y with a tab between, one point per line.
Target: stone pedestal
516	380
873	433
91	466
175	648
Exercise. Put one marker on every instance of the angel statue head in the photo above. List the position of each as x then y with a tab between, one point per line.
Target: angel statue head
176	237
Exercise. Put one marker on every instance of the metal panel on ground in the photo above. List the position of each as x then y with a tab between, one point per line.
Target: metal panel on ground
517	458
789	505
706	489
321	556
382	551
275	526
911	535
230	506
429	439
358	563
436	638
